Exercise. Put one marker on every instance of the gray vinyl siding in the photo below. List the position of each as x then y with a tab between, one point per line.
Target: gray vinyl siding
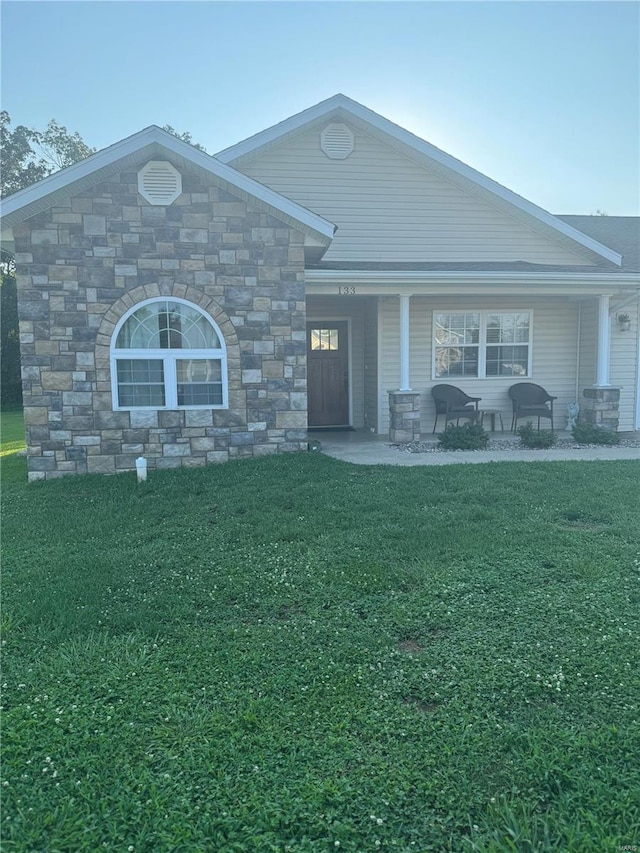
554	353
588	344
389	208
371	364
624	366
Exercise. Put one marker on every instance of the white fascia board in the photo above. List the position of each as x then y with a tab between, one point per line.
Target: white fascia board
248	185
58	181
14	204
385	126
277	131
476	278
485	183
444	289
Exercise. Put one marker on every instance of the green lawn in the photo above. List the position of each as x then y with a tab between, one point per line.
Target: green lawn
11	433
296	654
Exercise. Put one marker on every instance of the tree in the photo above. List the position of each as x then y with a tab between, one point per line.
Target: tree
185	137
29	155
26	156
20	167
59	148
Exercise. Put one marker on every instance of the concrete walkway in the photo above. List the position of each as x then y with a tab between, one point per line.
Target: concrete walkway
364	449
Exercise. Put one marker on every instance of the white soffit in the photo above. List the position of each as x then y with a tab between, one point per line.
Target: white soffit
341	107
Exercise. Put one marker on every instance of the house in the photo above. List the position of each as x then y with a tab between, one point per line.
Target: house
325	272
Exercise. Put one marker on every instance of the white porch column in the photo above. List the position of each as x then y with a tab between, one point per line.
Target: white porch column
404	343
604	342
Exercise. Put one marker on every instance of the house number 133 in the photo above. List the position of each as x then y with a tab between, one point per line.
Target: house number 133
347	291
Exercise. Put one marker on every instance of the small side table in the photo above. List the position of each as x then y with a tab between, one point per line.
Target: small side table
492	414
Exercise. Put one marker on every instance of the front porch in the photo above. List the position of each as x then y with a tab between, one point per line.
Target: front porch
570	345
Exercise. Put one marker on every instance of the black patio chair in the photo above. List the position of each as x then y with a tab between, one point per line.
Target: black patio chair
454	404
530	401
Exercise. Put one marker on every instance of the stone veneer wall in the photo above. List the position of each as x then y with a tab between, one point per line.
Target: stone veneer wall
404	416
81	266
601	407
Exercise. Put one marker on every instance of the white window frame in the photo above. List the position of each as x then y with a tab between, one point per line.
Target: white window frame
169	357
482	343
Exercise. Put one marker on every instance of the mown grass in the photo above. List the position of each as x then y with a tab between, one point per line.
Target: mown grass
12	436
295	654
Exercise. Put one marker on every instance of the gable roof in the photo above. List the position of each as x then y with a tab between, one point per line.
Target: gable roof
622	233
152	143
344	108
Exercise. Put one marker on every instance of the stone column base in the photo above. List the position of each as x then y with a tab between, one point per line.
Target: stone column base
404	421
601	407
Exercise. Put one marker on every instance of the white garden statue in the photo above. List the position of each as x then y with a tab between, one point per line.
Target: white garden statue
572	415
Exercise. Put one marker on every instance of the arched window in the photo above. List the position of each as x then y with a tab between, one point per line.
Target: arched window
168	354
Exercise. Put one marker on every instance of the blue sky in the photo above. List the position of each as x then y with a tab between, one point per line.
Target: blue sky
543	97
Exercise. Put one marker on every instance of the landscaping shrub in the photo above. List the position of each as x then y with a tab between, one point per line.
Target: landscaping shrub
585	433
469	436
536	439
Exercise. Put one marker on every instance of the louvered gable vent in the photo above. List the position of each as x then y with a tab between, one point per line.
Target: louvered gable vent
336	140
159	182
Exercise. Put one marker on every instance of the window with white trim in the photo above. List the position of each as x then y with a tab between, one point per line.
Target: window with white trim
168	354
481	344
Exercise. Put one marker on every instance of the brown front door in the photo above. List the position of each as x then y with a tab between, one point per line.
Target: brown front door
328	373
